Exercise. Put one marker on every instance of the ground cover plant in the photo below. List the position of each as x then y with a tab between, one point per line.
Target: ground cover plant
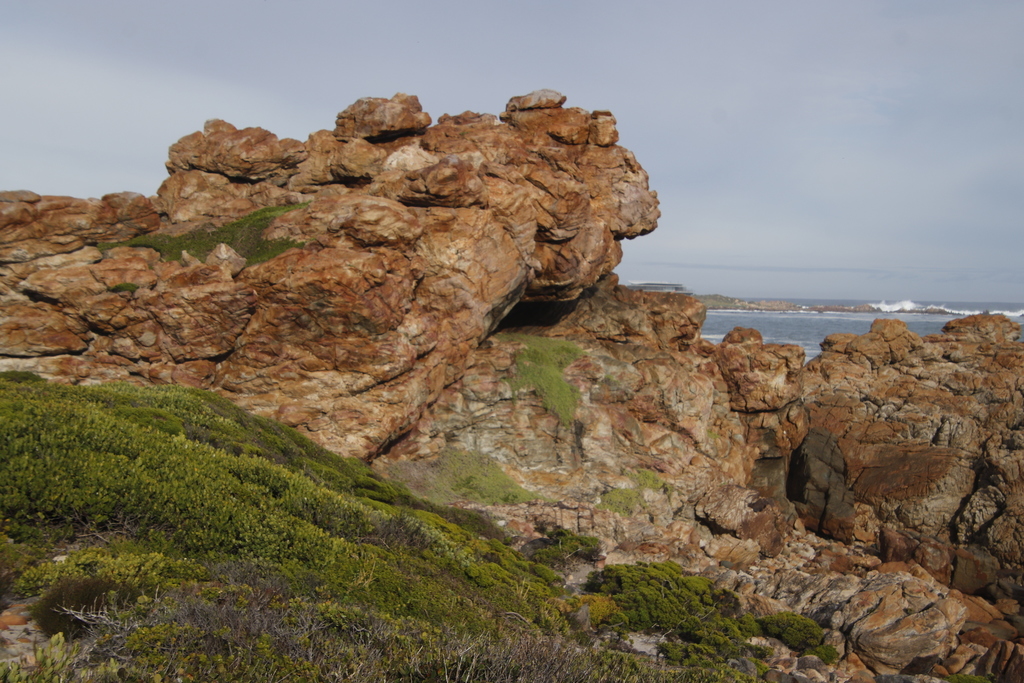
539	367
460	475
244	235
205	543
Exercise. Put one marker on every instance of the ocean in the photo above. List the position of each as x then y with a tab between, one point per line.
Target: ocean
808	329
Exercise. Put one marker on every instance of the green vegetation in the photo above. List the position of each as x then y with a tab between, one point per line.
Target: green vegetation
566	549
627	502
245	236
796	631
539	367
825	653
704	622
123	287
460	475
966	678
20	376
216	545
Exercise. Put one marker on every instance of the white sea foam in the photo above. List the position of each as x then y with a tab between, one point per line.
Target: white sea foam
900	306
908	306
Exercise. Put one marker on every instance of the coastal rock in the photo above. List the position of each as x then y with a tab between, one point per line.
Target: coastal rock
418	242
919	430
377	118
33	227
887	620
249	154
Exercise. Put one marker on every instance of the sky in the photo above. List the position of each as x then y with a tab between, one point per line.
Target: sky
801	149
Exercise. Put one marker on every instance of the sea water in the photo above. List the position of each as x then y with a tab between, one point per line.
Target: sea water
808	329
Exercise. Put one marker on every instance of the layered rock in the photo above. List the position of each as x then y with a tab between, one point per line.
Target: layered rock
924	434
418	240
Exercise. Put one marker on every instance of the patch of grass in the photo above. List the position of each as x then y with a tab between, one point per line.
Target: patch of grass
539	367
123	287
626	502
20	377
623	502
649	479
243	235
461	475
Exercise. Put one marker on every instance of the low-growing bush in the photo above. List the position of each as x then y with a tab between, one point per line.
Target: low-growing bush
796	631
148	571
660	597
20	377
566	549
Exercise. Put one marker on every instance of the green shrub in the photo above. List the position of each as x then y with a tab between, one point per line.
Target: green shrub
20	377
659	597
148	571
244	235
567	548
825	653
539	368
123	287
796	631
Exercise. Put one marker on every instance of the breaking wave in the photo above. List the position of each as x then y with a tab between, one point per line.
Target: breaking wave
908	306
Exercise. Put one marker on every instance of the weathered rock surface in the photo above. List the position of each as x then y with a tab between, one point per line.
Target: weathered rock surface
924	432
418	241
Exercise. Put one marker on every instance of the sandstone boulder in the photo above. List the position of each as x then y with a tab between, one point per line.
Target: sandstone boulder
377	118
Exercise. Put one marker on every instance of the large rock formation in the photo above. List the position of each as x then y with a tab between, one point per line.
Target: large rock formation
418	241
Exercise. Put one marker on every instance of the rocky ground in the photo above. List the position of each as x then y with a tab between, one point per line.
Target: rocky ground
381	337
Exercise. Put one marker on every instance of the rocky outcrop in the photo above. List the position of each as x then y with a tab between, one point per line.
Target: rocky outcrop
924	434
418	240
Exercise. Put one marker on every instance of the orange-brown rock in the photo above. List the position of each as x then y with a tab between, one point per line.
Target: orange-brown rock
418	241
249	154
924	431
32	226
376	118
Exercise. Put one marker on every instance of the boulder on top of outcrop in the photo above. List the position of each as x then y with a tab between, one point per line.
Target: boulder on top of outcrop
377	118
603	132
250	153
982	328
538	99
453	182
